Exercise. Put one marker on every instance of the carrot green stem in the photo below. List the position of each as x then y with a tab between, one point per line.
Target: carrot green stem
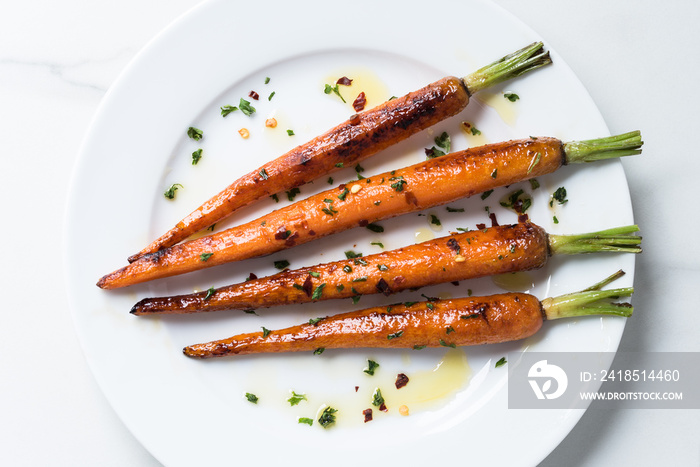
590	301
519	62
626	144
612	240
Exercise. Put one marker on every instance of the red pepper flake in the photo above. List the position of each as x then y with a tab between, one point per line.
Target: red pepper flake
383	287
308	286
254	95
383	408
345	81
282	233
368	415
480	226
360	102
356	388
494	222
523	218
354	119
401	380
251	276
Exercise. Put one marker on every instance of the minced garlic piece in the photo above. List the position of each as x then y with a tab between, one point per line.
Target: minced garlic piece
355	189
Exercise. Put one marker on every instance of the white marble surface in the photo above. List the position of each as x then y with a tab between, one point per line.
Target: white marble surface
638	59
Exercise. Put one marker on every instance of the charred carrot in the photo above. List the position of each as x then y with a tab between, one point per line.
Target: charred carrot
414	188
450	323
497	250
359	137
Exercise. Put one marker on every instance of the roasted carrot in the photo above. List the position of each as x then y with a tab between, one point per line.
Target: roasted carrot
414	188
361	136
450	323
497	250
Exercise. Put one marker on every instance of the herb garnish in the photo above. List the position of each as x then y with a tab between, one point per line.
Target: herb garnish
419	347
251	397
559	196
227	109
395	335
486	194
501	362
379	244
317	291
377	398
306	420
196	156
170	192
290	132
281	264
205	256
327	418
263	174
195	133
296	398
210	292
442	142
245	107
434	220
343	194
371	366
375	228
333	89
511	96
445	344
266	332
291	194
315	321
319	351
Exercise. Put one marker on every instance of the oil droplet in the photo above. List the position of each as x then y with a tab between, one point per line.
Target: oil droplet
424	234
514	281
505	108
426	388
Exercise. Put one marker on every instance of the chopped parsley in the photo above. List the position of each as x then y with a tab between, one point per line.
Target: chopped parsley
474	131
210	292
227	109
205	256
379	244
267	79
269	98
263	174
251	397
245	107
494	174
501	362
296	398
517	201
347	269
343	194
330	180
555	220
290	132
449	209
559	196
382	267
395	335
371	366
266	332
375	228
398	184
196	156
360	279
314	321
170	192
306	420
434	220
534	184
511	96
419	347
445	344
327	418
314	274
443	143
486	194
291	194
317	291
449	329
377	398
195	133
319	351
281	264
352	255
534	162
359	168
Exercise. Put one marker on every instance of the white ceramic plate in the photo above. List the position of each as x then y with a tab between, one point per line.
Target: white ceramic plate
193	412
